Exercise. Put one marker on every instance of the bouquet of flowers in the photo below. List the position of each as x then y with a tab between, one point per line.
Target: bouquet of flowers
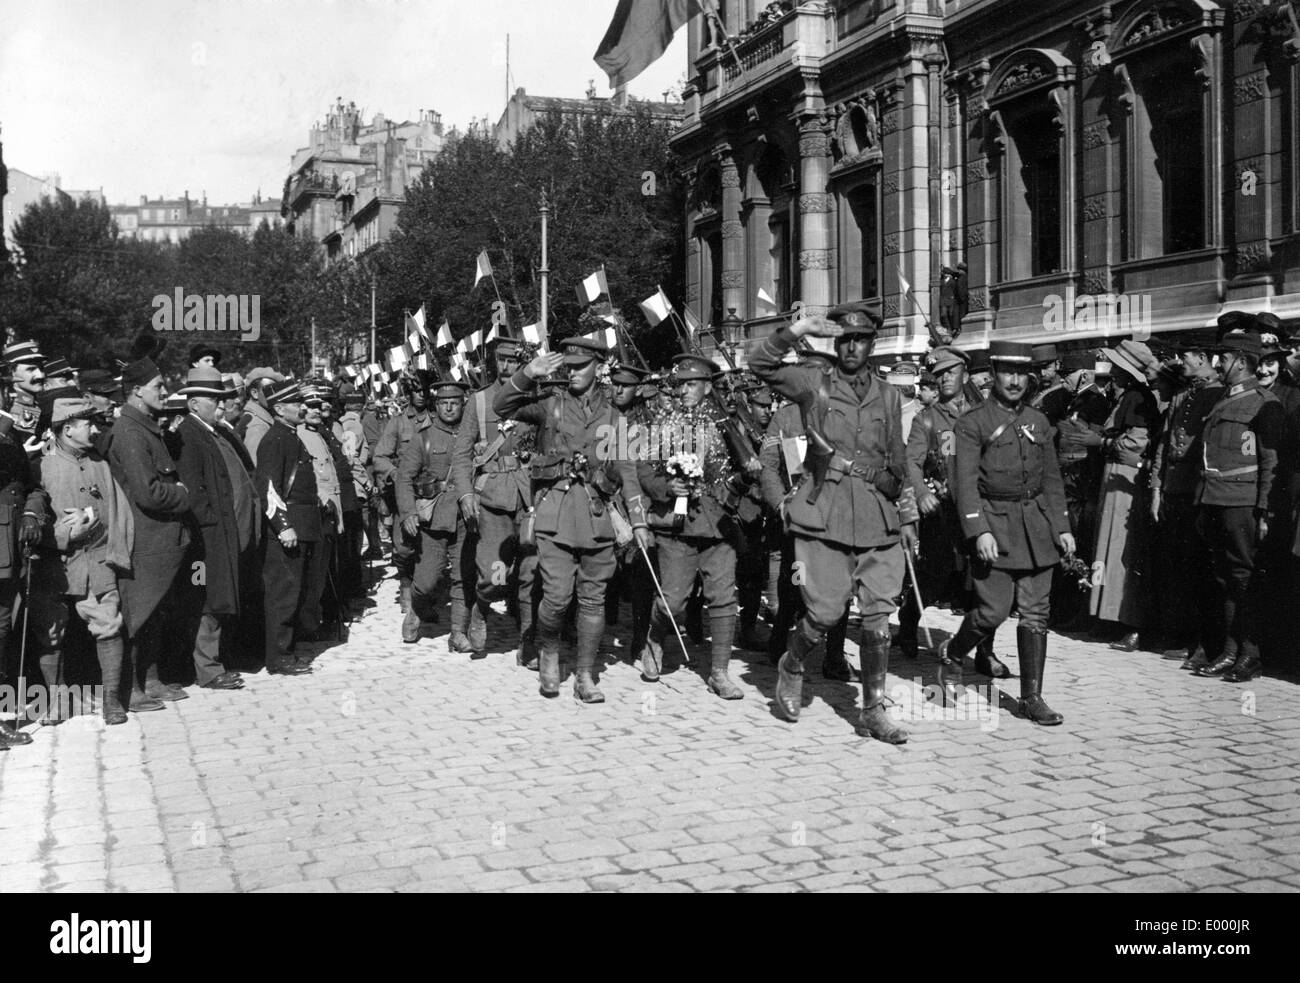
689	468
1080	571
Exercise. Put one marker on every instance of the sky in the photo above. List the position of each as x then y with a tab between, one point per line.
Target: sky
159	97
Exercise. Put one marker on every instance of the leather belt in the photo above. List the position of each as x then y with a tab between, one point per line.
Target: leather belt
1019	497
430	488
845	466
501	465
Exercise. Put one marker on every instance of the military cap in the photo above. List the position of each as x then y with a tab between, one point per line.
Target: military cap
101	382
59	366
760	396
859	318
234	381
687	368
450	390
507	346
581	351
73	407
139	373
204	381
1045	354
354	398
201	351
264	375
928	378
940	360
628	375
980	360
903	374
23	353
1011	353
288	392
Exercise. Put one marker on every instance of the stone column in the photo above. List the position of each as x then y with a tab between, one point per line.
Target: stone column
733	233
814	215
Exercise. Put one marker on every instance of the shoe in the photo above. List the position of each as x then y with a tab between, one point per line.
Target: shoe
9	737
1246	668
874	720
723	686
141	703
988	664
1219	666
790	673
460	644
1032	646
1129	642
289	670
1195	661
114	715
527	654
411	626
585	689
170	693
652	660
226	681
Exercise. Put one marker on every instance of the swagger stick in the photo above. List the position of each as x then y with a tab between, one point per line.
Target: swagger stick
920	604
668	610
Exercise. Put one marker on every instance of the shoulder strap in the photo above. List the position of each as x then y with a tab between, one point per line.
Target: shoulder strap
480	410
986	444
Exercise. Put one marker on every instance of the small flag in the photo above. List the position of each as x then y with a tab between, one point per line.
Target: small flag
476	340
608	337
444	335
350	371
418	318
422	362
415	341
593	288
766	300
493	334
483	268
456	372
902	282
532	334
657	308
693	325
397	358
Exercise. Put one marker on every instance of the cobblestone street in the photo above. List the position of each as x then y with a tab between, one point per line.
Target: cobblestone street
403	768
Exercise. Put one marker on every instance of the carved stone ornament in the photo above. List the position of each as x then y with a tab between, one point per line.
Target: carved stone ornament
975	236
1155	22
1249	88
811	204
1020	77
977	170
978	299
1094	207
1203	52
1253	257
889	122
891	244
692	246
890	184
1096	281
732	230
729	176
890	308
1095	135
813	141
732	279
815	259
1242	9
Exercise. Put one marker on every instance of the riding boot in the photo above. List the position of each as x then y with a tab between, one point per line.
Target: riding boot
139	702
10	735
590	627
110	652
909	618
951	653
478	629
548	659
874	720
987	663
1032	645
834	666
722	627
804	640
459	641
652	656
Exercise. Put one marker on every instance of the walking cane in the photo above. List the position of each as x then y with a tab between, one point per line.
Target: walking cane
916	590
667	610
20	708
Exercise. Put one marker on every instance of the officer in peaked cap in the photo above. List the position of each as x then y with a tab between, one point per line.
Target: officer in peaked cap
26	366
580	352
689	368
1011	504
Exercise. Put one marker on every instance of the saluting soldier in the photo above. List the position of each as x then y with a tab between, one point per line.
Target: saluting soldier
1233	499
853	520
490	472
1012	507
703	541
26	365
286	482
574	479
782	459
398	432
427	496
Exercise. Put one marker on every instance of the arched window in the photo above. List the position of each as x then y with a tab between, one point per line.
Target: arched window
768	213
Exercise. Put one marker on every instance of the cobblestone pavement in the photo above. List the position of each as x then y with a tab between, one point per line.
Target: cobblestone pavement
404	767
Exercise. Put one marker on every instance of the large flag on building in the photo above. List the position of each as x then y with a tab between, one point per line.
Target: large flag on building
639	34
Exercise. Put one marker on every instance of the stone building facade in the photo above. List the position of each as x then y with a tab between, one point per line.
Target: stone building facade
1080	156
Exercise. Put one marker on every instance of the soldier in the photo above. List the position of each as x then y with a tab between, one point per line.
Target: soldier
633	579
701	542
853	520
316	611
258	418
932	465
23	514
26	365
572	487
758	531
1053	396
490	473
286	482
1012	508
782	459
388	455
427	499
1239	456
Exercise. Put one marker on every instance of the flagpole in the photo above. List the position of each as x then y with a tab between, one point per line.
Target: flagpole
545	271
372	319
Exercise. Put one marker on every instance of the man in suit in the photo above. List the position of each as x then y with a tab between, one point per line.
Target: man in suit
225	519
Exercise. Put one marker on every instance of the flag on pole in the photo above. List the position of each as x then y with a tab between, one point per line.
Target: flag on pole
397	358
493	334
657	308
422	362
476	340
766	300
444	335
457	373
532	334
419	320
483	268
462	346
607	337
902	282
594	288
692	323
639	35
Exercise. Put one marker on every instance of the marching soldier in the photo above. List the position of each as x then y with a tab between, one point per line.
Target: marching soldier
26	365
701	542
388	455
931	463
490	472
572	487
1239	456
1012	507
427	500
755	525
782	461
853	520
286	482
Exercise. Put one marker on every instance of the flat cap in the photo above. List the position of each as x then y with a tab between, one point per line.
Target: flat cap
687	368
264	374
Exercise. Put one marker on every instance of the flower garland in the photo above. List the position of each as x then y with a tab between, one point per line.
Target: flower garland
691	446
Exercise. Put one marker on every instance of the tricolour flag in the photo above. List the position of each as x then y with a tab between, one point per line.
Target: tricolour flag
902	282
397	358
418	318
657	308
607	337
476	340
532	333
483	268
692	323
594	288
444	335
766	299
462	346
493	334
457	372
639	35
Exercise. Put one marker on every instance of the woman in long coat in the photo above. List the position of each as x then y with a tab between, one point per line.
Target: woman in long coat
1123	527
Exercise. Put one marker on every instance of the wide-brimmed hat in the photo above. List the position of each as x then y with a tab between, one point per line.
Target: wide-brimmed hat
204	381
73	407
1134	358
